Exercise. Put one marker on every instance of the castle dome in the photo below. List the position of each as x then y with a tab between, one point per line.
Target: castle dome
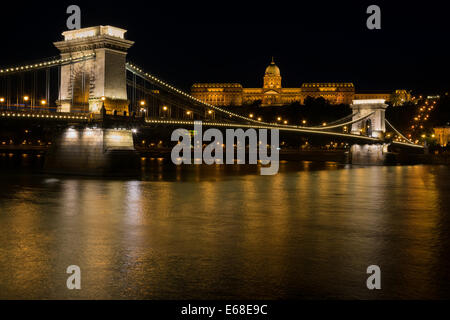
272	69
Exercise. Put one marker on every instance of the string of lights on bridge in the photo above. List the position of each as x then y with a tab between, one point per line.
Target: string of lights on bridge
51	63
224	124
40	115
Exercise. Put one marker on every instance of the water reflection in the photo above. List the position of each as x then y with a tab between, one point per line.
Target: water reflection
227	232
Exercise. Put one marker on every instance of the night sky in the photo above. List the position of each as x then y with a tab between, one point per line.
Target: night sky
233	41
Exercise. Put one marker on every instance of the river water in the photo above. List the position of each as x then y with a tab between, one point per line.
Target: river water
226	232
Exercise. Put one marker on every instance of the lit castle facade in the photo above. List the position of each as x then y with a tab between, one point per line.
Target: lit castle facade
273	94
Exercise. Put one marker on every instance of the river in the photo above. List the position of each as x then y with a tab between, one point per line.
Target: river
226	232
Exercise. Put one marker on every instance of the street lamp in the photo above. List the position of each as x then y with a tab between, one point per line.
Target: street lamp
142	103
165	108
25	99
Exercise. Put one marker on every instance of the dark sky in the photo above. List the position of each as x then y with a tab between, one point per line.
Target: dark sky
224	41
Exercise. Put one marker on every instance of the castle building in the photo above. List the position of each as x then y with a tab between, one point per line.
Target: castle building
273	94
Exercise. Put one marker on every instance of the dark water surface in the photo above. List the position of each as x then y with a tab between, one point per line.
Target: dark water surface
227	232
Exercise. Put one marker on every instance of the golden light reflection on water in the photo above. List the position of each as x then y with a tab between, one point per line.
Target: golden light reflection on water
227	232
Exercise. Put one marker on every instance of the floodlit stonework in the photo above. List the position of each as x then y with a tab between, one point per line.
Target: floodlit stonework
442	135
374	124
88	84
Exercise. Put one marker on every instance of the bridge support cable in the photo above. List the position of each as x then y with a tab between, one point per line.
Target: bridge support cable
398	132
261	126
350	116
43	64
342	124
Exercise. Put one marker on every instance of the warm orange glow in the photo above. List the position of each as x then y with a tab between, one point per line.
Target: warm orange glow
165	108
279	118
2	99
43	102
26	98
142	103
210	111
188	112
103	98
251	115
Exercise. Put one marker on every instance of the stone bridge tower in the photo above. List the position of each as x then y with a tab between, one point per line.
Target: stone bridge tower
87	84
373	125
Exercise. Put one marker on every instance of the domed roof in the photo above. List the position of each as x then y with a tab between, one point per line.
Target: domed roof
272	69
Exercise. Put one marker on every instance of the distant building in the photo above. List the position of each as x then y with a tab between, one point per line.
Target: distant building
335	93
226	94
273	94
442	135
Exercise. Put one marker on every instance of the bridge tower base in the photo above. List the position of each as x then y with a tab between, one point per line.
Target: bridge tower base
369	154
93	152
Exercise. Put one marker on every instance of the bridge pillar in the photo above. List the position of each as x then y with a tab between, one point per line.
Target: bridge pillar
94	73
89	151
369	154
374	125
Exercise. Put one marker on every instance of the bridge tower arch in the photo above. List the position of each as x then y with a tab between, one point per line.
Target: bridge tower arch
373	125
95	73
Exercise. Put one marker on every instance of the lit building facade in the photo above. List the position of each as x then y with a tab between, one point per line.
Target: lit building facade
442	135
273	94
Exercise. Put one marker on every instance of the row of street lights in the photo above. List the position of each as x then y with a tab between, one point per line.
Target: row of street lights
25	98
143	103
279	119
